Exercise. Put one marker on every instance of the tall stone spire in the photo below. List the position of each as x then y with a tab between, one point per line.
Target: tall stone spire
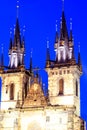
16	50
17	40
63	30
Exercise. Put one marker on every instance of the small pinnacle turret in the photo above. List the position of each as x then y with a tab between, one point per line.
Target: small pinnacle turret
47	55
79	60
56	37
23	43
71	37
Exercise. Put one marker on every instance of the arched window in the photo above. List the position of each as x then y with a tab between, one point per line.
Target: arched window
12	91
76	88
61	87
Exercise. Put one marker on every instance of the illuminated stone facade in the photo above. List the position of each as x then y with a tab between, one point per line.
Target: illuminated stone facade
24	105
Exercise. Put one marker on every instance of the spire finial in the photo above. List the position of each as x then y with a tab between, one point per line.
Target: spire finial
70	23
62	5
17	6
56	26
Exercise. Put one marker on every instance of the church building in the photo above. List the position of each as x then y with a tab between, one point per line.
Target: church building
24	104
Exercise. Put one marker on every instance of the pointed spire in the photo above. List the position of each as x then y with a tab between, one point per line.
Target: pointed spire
56	37
79	59
23	41
17	29
70	38
17	40
10	47
47	55
63	30
31	62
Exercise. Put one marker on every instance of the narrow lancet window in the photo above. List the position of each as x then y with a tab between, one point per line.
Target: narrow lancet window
61	87
12	91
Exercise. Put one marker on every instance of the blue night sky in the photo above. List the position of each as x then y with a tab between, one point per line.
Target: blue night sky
39	18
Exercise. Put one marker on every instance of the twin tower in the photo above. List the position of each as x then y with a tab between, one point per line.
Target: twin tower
23	102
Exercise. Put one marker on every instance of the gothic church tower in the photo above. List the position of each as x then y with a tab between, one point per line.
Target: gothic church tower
15	78
64	73
24	105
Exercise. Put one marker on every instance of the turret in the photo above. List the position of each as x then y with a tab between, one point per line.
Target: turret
47	56
71	46
64	73
62	45
16	50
